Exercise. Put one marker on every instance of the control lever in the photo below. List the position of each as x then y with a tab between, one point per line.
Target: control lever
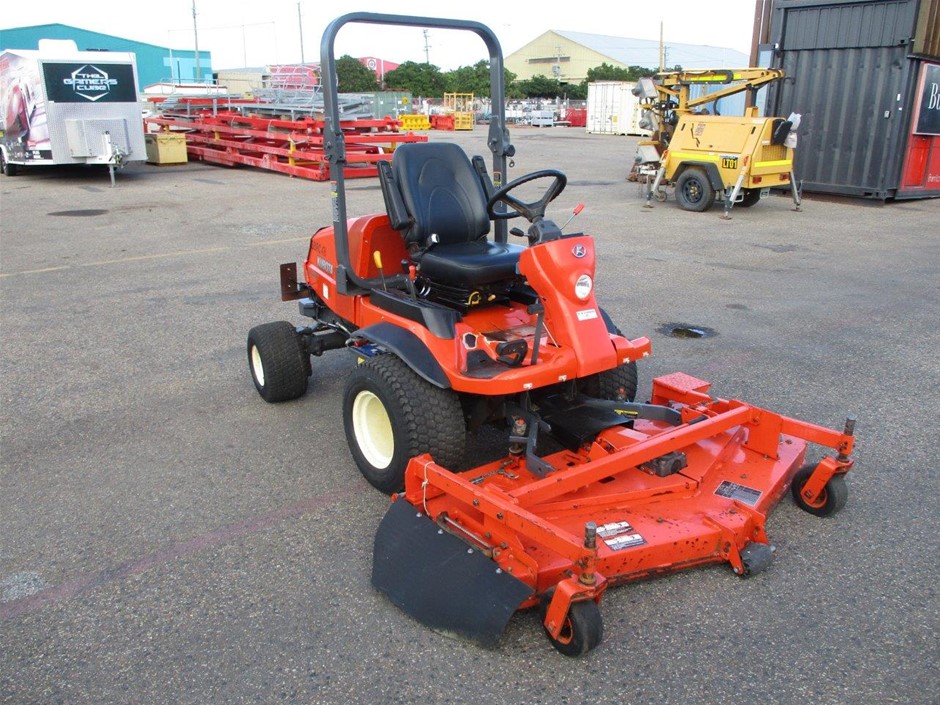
577	209
412	272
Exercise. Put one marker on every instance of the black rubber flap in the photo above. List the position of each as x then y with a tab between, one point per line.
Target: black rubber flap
440	580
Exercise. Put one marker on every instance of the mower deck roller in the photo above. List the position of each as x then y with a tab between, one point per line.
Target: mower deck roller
643	499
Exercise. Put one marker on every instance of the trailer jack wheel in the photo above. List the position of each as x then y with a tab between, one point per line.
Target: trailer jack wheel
582	631
831	499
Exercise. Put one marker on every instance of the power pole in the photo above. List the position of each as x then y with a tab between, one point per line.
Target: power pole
427	56
662	48
300	25
196	37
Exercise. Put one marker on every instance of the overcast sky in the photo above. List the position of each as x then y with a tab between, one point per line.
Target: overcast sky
268	32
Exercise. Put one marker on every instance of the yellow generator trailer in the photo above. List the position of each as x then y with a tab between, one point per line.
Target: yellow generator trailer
737	157
734	159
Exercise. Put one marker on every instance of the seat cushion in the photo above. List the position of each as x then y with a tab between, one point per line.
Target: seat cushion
471	263
442	193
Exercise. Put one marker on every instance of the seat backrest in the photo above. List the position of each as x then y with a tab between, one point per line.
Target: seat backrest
442	193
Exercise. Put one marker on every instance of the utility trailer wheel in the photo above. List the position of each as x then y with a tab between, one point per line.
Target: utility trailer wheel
582	631
749	197
5	166
391	414
833	497
694	192
278	363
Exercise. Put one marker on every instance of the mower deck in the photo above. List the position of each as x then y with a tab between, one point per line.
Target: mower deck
642	499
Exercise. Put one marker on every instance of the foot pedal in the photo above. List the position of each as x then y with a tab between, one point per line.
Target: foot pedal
512	352
679	387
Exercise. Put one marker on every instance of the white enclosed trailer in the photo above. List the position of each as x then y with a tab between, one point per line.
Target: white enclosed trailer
59	105
612	109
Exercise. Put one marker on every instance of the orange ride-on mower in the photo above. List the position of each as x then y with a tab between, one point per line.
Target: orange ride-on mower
454	331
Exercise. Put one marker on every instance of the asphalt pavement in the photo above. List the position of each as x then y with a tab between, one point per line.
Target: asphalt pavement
168	537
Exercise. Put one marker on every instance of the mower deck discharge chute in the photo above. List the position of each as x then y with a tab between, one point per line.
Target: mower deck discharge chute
454	331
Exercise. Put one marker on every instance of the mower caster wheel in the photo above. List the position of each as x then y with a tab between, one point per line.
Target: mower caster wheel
582	631
831	500
756	558
277	360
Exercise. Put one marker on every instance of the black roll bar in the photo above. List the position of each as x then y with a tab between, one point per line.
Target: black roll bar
335	145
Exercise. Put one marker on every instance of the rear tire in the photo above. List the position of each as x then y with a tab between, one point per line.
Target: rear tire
391	414
278	363
694	192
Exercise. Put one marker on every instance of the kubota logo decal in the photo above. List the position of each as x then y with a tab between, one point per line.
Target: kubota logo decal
90	82
579	251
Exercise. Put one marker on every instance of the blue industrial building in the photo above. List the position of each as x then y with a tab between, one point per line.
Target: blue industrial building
155	64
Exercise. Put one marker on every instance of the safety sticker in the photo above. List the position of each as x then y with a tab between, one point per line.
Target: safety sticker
738	492
587	314
619	535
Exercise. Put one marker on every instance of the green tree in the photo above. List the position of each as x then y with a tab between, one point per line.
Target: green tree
420	79
469	79
354	77
541	87
575	91
474	79
607	72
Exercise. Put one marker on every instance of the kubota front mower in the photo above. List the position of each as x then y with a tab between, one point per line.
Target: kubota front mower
453	332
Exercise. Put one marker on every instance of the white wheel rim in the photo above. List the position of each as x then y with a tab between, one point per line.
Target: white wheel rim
257	367
373	429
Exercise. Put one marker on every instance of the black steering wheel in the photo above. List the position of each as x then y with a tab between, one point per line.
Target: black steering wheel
530	211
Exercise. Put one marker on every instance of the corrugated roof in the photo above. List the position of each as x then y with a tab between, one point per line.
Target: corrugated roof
645	52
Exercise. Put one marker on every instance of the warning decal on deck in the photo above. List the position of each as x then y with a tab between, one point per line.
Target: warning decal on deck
619	534
741	493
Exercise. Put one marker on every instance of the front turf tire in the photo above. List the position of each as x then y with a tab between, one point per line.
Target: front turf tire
391	414
610	384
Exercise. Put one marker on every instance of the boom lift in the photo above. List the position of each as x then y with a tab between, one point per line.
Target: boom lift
735	159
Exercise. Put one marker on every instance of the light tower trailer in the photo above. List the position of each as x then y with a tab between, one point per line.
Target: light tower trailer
59	105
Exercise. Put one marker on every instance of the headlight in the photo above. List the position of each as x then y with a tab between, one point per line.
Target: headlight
582	288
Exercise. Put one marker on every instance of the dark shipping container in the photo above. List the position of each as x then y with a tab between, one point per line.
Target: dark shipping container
865	77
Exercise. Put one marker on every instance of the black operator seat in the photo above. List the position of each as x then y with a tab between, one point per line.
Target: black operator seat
437	200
